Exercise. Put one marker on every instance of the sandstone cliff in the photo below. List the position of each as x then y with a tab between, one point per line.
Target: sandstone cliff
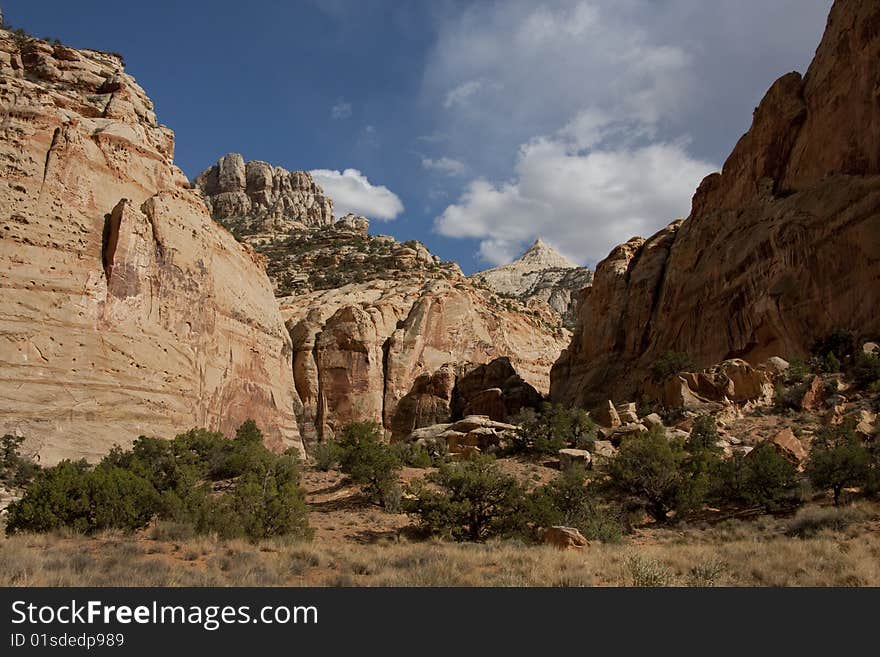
781	248
540	273
384	331
124	310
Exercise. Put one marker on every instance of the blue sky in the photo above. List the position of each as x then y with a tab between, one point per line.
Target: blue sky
489	123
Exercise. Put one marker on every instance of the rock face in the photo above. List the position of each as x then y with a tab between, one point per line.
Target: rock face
254	197
541	273
780	249
383	330
125	310
393	351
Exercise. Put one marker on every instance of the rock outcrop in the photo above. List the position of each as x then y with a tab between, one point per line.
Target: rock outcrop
383	330
254	197
780	249
540	273
125	310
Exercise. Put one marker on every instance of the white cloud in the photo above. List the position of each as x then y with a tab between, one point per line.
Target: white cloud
341	110
626	94
445	165
461	93
583	202
352	192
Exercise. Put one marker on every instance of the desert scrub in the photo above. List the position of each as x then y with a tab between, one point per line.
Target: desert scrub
228	487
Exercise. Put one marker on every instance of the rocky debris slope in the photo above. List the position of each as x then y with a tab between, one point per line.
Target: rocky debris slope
125	310
383	330
540	273
254	197
781	248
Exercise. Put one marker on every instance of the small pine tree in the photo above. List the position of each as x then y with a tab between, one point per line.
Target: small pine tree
838	459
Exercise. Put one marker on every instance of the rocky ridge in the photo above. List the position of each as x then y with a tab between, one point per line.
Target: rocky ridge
255	197
540	273
125	309
781	248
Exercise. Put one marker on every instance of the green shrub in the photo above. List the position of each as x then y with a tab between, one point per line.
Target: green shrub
704	435
670	364
866	370
649	467
648	572
368	460
840	344
797	371
762	478
86	500
552	428
171	480
412	455
15	470
569	500
838	459
326	455
265	502
468	500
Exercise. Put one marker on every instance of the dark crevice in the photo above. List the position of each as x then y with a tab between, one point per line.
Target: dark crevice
55	136
110	238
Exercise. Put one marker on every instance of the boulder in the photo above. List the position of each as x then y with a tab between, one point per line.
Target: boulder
871	349
652	420
569	457
789	446
627	413
814	396
606	415
603	449
565	538
775	365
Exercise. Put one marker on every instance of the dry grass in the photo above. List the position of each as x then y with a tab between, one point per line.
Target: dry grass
837	548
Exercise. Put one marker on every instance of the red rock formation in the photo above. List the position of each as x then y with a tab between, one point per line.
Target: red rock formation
781	248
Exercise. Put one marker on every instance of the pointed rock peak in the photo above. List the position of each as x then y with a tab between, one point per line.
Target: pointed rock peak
542	253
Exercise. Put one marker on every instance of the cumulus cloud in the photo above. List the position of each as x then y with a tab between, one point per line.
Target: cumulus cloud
583	202
352	192
341	110
447	165
602	116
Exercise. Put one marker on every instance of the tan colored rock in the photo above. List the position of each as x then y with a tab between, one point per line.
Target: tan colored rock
255	197
652	420
565	538
871	349
799	197
603	449
606	415
775	366
789	446
125	309
569	457
627	413
814	396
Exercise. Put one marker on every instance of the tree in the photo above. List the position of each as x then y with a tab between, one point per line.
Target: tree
554	427
671	363
649	467
761	478
473	500
838	459
570	500
368	460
